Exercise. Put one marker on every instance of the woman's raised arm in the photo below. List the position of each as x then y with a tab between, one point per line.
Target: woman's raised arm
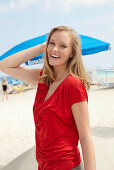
11	64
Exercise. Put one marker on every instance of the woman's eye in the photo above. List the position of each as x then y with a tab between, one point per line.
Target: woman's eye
52	43
63	46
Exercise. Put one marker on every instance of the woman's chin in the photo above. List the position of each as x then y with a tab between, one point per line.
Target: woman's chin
52	63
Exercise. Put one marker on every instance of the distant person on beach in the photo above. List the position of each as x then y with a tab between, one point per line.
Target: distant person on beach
61	104
5	89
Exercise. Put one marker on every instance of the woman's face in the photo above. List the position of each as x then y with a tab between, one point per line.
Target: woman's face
59	48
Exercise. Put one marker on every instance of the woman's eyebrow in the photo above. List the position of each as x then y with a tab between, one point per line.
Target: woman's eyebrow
51	39
62	42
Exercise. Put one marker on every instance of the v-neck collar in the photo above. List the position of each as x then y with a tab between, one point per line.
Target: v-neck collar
44	101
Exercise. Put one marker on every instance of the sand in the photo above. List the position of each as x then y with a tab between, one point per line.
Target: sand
16	126
17	139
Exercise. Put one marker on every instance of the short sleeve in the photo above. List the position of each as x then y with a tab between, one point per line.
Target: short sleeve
76	91
41	72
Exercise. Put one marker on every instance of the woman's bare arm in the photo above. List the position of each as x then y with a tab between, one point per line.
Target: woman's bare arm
81	116
11	64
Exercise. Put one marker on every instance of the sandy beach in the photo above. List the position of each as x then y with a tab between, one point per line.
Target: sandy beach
17	139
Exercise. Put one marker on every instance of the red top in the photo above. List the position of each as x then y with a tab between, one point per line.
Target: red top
55	129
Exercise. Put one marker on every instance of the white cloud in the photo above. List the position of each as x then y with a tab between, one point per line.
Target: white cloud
48	4
68	4
16	5
85	2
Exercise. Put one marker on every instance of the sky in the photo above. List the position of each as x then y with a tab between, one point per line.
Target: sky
21	20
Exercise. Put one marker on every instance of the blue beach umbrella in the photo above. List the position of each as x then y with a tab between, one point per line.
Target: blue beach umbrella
92	45
89	45
13	82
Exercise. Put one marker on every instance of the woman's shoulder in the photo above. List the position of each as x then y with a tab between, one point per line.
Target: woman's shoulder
75	89
73	81
4	83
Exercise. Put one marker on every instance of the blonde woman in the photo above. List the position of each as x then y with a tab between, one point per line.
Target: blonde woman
61	104
5	89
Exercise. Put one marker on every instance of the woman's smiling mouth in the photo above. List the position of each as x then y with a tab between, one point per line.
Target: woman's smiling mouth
54	56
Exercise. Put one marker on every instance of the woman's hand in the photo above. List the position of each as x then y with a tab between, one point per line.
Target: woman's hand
43	46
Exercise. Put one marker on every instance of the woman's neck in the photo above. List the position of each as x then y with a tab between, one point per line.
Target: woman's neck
61	74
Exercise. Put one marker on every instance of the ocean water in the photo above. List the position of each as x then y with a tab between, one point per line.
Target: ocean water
105	73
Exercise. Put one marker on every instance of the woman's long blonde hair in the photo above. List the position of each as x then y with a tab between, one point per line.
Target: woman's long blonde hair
75	64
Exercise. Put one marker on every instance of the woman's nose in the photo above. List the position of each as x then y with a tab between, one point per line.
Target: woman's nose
55	48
